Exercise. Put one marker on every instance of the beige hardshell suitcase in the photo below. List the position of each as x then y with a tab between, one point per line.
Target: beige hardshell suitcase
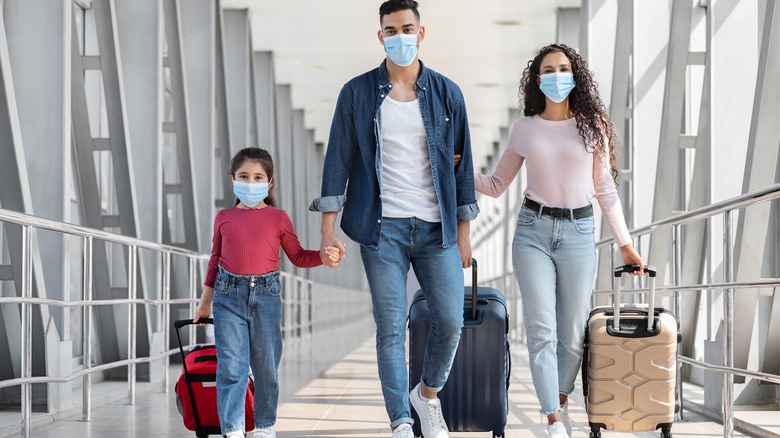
629	369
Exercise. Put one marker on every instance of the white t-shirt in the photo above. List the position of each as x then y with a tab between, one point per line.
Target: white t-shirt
407	182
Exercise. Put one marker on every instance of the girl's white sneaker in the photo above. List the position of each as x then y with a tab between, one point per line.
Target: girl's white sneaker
266	432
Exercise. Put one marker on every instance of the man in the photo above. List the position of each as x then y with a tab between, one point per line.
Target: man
394	137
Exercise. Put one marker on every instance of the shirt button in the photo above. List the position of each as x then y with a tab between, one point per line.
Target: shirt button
381	95
251	285
447	119
379	221
390	86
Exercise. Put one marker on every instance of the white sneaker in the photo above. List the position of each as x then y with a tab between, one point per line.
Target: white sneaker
266	432
403	430
431	420
565	419
557	430
236	434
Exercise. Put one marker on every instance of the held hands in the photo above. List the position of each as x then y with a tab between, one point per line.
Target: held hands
332	251
631	257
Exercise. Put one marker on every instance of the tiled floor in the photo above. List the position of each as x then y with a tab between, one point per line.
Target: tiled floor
345	401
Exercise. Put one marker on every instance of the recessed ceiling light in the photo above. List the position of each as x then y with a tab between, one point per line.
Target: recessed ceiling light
318	67
507	22
487	85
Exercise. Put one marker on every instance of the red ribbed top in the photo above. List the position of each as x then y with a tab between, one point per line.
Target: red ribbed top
246	242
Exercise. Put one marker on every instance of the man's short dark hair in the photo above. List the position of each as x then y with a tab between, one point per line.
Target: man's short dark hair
391	6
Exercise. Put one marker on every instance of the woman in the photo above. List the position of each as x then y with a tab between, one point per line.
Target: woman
567	143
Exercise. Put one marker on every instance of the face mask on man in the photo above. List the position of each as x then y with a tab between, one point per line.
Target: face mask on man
556	85
401	48
250	194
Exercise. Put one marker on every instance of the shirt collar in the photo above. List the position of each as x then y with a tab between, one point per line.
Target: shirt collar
384	77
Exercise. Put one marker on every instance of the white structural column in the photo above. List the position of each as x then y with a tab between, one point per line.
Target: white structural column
237	58
197	28
223	196
16	194
299	209
265	93
284	156
760	171
139	37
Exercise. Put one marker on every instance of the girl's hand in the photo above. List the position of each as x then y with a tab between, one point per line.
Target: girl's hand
331	256
631	257
202	311
457	159
204	305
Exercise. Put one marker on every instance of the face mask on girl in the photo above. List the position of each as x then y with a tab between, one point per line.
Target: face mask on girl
401	48
557	85
250	194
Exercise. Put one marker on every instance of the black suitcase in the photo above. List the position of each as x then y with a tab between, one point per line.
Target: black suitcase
475	398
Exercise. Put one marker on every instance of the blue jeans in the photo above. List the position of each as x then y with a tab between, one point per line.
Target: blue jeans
555	265
439	270
247	311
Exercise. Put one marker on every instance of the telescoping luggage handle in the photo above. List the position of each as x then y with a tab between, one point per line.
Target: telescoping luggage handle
473	288
185	322
649	270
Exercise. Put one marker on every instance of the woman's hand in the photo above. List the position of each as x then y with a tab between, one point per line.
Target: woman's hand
631	257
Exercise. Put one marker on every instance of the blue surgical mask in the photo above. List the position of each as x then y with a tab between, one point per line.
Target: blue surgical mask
250	194
401	48
557	85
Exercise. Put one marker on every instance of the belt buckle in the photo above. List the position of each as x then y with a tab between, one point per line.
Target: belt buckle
556	212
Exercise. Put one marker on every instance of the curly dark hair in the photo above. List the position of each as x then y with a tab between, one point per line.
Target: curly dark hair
391	6
260	156
593	123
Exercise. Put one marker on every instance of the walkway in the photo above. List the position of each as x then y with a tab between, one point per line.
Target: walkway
345	401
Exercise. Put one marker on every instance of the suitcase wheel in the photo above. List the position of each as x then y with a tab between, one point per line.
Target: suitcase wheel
498	434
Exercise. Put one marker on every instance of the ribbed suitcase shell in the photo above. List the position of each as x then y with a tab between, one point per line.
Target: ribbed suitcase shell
475	396
196	388
631	377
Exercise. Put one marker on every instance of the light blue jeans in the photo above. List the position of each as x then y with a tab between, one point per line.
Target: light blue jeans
247	311
440	272
555	265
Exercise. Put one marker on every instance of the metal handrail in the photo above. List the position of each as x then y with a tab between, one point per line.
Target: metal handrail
78	230
766	194
674	223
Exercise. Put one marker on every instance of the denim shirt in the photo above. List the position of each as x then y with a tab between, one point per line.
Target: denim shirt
356	139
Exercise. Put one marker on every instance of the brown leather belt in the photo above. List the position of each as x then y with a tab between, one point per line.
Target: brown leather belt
561	213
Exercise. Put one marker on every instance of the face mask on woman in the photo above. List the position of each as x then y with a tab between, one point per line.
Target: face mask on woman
557	85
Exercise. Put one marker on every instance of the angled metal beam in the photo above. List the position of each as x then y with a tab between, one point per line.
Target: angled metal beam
621	119
760	171
86	181
222	122
181	120
666	178
198	26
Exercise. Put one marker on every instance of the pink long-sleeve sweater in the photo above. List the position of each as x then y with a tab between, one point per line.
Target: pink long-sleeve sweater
561	171
246	242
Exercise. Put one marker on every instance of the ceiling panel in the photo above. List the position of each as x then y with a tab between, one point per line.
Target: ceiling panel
319	45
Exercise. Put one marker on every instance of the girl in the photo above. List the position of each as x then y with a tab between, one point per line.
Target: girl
567	143
242	283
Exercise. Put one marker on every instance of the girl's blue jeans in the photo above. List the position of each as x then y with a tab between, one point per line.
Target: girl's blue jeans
247	311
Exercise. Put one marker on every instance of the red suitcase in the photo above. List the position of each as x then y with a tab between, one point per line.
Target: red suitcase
196	389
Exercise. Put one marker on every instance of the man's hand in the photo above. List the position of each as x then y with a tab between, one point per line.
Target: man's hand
464	243
332	249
